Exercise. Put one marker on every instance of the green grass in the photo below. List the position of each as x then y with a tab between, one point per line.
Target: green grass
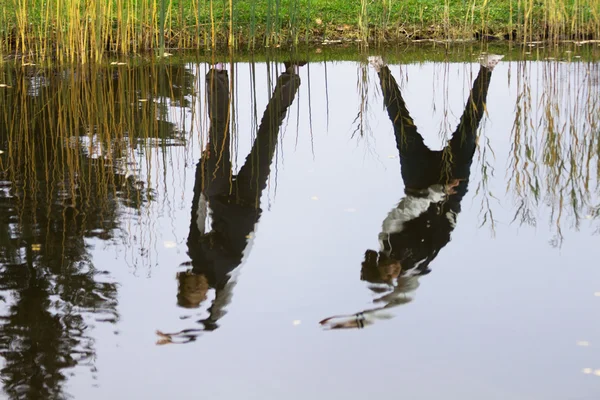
86	30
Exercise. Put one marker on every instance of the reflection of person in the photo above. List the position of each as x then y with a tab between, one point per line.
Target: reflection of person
435	182
233	201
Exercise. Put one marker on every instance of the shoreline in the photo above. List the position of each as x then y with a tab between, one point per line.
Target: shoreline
317	45
421	51
76	32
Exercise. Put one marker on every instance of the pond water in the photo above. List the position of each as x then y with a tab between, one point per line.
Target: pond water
250	231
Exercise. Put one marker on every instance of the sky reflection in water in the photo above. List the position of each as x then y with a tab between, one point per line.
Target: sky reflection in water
100	226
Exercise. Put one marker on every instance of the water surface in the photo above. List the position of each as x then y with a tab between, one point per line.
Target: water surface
137	261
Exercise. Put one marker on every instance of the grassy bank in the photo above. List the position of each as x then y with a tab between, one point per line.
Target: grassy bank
86	30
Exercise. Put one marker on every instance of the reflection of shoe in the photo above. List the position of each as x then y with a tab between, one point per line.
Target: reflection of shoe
376	62
490	61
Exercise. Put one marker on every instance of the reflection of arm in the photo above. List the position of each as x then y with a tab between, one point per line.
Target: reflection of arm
474	111
396	108
252	178
401	294
222	299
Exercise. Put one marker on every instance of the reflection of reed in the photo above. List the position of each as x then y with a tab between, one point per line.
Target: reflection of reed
71	142
555	144
361	121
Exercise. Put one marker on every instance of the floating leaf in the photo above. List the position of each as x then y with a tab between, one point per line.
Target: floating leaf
36	247
296	322
583	343
314	198
587	371
169	244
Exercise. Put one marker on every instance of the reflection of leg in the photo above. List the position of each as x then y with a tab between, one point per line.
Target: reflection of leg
463	140
252	178
420	165
216	161
408	140
214	168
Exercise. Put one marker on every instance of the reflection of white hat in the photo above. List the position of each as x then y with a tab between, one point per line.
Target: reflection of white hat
489	61
376	62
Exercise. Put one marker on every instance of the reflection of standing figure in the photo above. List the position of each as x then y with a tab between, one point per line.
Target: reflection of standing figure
435	182
233	201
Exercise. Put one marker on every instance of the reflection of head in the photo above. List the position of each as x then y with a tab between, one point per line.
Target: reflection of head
378	268
192	289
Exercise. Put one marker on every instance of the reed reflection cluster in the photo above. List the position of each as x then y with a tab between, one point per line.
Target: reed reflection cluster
76	153
555	156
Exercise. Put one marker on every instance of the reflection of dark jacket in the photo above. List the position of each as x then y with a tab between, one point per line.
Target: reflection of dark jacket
416	230
233	201
218	252
421	238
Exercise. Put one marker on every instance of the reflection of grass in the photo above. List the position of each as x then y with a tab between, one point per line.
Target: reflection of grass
83	30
